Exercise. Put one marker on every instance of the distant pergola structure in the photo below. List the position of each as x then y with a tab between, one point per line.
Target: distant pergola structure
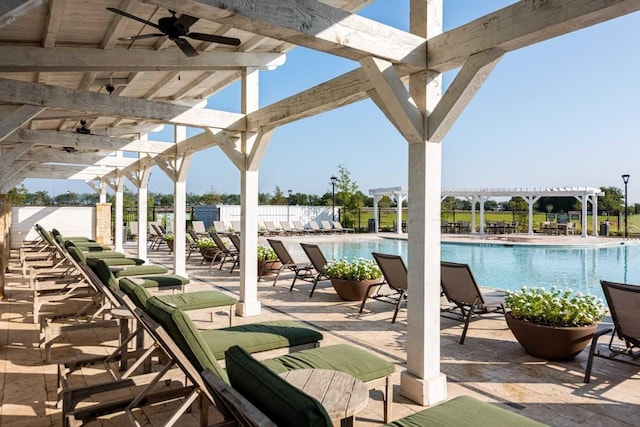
399	194
475	196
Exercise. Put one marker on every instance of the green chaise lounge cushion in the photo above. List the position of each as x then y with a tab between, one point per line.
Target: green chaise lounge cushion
464	411
81	257
283	403
139	270
94	254
340	357
135	289
104	273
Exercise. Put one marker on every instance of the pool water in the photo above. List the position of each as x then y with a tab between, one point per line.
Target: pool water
511	267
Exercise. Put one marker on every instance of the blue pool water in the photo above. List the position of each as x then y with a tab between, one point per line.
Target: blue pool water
511	267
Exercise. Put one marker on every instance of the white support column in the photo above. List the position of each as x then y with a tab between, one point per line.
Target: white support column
249	304
182	163
376	200
399	196
144	174
117	232
584	200
481	200
531	200
473	200
423	382
103	191
594	215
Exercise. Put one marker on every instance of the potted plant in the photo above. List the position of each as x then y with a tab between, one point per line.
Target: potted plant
208	248
168	238
267	261
352	279
553	324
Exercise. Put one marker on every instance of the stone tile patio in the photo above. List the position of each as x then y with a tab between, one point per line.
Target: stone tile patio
490	366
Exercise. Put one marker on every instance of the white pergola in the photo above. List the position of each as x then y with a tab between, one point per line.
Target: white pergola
57	57
584	195
399	194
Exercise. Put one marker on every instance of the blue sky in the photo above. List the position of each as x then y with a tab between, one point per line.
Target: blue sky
559	113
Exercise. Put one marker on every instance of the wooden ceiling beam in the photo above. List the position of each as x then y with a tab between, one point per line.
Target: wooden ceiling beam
57	155
10	10
79	141
56	13
15	91
311	24
17	118
19	59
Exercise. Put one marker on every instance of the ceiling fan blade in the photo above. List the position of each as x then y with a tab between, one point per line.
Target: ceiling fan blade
186	21
130	16
140	37
185	47
214	39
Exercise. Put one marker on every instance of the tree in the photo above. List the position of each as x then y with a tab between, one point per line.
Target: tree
347	195
17	195
278	197
612	201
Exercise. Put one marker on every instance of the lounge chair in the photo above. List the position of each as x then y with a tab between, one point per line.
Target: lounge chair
220	228
228	253
395	277
132	228
235	241
199	228
272	230
326	227
313	225
301	269
318	261
287	228
300	228
339	228
236	226
623	301
252	403
461	289
181	335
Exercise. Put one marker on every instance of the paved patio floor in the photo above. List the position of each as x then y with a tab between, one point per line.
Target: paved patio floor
490	366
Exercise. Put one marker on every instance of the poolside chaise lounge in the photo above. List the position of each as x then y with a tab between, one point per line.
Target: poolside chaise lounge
460	288
300	269
395	277
228	253
319	263
623	300
187	339
259	397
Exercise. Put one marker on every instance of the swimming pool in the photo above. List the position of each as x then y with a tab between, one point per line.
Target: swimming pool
509	267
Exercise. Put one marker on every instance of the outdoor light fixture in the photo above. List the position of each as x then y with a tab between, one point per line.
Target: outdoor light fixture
334	179
625	179
289	191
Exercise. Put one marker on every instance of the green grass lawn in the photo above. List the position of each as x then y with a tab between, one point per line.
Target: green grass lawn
388	217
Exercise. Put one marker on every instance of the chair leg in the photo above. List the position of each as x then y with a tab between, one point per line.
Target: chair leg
592	351
467	318
398	302
278	275
315	283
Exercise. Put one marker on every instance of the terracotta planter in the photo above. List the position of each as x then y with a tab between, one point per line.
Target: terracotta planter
209	253
548	342
169	245
352	290
270	267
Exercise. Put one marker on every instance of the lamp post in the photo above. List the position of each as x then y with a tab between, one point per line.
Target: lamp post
334	179
625	179
289	206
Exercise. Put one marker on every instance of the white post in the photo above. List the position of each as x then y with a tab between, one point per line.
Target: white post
594	215
117	232
376	200
423	382
481	200
143	193
182	164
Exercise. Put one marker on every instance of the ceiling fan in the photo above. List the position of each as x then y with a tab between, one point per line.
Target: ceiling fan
176	28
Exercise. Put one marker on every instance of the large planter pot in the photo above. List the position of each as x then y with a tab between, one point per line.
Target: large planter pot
169	245
548	342
352	290
268	268
209	253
